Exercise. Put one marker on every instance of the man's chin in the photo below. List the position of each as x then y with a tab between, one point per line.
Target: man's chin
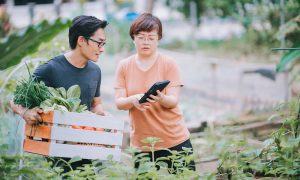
94	60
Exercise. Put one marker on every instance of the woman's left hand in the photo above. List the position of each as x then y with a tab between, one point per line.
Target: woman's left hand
158	98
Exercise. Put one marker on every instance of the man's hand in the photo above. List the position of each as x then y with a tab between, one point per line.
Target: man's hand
103	113
29	115
32	115
97	107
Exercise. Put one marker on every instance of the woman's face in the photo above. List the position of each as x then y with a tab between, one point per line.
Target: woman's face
146	42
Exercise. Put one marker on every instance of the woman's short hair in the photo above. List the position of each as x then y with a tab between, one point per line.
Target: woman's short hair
145	22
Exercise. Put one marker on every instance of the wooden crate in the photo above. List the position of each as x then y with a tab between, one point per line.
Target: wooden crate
69	134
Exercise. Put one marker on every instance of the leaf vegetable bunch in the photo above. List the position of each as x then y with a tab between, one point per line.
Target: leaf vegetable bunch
30	93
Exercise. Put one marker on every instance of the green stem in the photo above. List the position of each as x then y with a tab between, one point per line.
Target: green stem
152	152
297	122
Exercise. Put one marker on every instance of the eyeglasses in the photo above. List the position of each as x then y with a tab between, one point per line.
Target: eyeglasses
150	39
100	43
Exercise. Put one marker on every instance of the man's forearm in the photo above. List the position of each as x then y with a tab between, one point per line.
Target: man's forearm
98	109
18	109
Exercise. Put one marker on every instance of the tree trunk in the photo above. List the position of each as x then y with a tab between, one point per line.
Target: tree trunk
149	6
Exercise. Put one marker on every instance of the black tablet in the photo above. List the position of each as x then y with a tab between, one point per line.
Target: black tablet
156	86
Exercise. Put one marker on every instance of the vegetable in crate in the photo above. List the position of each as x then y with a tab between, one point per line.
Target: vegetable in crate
66	101
31	93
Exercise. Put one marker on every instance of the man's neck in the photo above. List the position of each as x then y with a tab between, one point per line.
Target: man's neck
76	59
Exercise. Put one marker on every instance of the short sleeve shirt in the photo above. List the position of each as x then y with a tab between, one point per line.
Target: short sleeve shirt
58	72
164	123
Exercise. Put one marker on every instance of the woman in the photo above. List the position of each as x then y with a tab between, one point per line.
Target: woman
160	116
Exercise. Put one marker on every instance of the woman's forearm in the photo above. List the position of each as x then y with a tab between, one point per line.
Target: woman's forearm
168	101
124	103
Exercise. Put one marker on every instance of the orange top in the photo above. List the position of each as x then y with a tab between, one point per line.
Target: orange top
158	121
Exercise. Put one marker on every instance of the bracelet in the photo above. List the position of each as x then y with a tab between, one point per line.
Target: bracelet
24	113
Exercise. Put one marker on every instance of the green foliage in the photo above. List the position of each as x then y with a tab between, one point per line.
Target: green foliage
290	30
261	19
185	8
30	93
118	40
36	167
226	8
286	59
279	157
148	169
10	133
67	101
18	45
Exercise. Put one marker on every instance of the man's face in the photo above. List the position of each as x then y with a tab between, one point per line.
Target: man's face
94	45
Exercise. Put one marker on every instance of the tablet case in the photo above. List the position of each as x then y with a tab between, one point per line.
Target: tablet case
156	86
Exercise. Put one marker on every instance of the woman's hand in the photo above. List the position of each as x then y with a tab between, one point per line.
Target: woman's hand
158	98
135	101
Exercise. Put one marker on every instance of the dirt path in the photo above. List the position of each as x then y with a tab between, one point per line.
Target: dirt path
214	88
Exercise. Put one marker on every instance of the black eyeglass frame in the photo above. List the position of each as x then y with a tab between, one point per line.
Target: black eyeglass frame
100	43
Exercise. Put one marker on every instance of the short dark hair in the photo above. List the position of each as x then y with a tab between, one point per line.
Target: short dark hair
84	26
145	22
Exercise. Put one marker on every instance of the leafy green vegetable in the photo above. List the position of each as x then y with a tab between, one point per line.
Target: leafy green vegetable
30	93
73	91
66	101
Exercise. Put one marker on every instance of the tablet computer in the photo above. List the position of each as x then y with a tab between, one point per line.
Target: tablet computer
156	86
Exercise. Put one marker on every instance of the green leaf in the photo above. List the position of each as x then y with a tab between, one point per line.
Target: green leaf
292	142
74	159
62	91
73	91
268	142
47	105
287	58
54	92
62	101
74	103
27	41
81	108
151	140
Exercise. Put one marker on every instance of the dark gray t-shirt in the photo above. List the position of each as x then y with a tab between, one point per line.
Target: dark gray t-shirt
58	72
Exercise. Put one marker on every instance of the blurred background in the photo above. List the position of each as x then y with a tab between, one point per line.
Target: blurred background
232	78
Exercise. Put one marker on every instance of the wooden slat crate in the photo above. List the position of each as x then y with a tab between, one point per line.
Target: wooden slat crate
69	134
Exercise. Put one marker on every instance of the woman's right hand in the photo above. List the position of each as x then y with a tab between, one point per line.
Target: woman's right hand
135	101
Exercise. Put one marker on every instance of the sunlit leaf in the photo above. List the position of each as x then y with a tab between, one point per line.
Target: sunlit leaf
27	41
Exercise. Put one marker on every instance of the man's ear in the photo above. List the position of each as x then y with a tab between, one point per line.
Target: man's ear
81	40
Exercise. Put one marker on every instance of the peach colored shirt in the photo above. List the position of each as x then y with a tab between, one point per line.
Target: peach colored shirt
166	124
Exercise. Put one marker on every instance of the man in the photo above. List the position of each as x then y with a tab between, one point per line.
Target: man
86	40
